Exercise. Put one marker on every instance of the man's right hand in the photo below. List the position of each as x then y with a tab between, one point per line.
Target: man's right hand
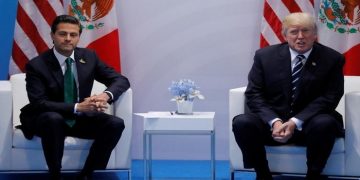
277	130
90	104
282	132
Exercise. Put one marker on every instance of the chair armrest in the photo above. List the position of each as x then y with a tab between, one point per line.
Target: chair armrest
6	127
236	101
236	106
123	109
352	133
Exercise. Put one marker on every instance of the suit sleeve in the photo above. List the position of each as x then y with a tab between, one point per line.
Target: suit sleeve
114	81
38	87
255	96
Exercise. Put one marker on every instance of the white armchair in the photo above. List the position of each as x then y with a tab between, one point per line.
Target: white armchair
345	157
20	154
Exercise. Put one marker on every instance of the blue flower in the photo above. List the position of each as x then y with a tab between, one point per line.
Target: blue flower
184	90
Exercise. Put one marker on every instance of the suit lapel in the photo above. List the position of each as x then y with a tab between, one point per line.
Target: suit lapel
81	68
310	67
55	69
285	63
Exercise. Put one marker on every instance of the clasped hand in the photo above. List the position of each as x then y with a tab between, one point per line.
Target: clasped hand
282	132
94	103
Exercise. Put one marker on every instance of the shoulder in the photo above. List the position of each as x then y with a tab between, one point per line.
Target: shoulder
272	52
327	54
325	50
42	58
44	55
273	49
84	51
86	54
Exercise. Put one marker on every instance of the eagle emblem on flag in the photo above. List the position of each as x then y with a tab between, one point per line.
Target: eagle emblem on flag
342	16
89	11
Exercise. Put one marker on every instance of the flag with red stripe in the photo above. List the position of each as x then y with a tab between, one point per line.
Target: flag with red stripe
339	28
33	27
32	31
100	29
273	14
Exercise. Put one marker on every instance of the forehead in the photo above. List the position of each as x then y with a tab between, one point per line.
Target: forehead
300	26
68	27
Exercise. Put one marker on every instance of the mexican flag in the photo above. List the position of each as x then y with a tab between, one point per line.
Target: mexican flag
339	28
100	29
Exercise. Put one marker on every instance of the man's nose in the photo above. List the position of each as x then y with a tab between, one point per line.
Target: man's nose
300	34
67	37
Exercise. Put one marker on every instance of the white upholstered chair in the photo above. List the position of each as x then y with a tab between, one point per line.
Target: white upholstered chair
345	157
20	154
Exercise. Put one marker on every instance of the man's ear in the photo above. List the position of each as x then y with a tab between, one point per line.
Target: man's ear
52	36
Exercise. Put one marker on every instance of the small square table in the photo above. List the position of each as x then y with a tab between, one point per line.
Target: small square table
169	123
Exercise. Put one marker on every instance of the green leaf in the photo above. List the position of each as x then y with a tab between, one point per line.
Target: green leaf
341	30
330	25
90	26
352	30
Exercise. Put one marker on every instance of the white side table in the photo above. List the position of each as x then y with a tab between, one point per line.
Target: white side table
165	123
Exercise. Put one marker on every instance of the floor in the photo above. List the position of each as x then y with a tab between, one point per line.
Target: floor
162	170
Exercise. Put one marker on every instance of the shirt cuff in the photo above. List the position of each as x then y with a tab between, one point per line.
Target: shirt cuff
111	95
75	108
298	123
271	123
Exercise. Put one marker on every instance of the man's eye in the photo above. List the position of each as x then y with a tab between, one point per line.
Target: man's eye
294	32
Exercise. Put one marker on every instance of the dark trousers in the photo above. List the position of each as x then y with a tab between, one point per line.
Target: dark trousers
105	129
318	135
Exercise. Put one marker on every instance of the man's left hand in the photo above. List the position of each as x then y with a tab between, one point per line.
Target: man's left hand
288	128
100	101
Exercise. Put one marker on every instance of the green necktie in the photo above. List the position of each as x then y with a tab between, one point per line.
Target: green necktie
70	90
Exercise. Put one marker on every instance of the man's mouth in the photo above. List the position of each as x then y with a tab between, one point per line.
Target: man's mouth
301	43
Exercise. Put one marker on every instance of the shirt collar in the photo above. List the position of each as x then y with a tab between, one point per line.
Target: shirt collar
61	58
294	54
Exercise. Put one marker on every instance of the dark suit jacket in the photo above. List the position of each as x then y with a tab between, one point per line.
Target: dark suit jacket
320	88
45	84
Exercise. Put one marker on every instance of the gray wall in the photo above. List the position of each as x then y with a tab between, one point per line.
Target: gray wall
209	41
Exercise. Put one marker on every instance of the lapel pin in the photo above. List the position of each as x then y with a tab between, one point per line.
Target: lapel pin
82	61
313	63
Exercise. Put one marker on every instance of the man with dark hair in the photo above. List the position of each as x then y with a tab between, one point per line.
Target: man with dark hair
59	83
293	90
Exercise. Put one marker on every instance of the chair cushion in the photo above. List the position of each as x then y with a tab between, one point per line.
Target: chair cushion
19	141
339	147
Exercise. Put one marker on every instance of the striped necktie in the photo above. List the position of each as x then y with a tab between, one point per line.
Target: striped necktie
70	90
296	72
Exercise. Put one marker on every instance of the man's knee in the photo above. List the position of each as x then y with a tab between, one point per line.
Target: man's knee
323	123
49	123
50	119
242	122
117	124
324	120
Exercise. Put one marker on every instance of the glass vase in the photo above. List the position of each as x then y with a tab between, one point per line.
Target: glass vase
184	107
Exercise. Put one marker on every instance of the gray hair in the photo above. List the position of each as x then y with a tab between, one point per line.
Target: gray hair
298	18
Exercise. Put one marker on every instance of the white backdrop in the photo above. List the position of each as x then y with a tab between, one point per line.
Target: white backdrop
209	41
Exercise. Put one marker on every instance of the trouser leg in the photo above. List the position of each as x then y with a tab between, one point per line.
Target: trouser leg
106	131
50	127
250	134
320	134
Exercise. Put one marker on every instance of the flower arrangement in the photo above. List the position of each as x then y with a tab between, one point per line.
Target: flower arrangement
184	90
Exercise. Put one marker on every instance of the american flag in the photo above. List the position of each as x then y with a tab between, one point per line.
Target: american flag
274	12
33	27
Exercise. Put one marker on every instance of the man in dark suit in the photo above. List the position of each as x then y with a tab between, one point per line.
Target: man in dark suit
52	116
293	90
